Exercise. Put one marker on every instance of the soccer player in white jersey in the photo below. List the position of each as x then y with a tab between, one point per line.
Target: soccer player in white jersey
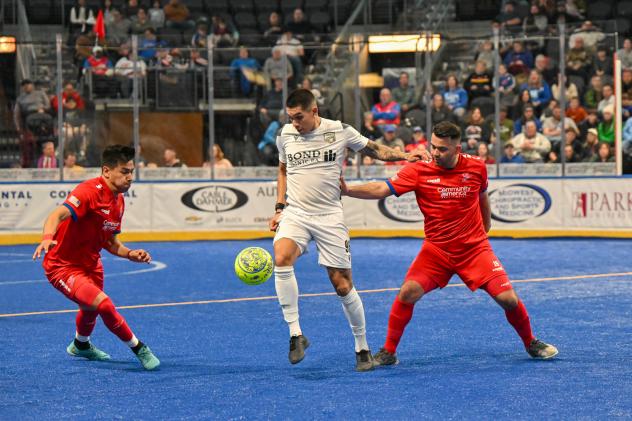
311	152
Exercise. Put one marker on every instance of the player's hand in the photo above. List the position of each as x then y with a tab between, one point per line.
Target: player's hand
44	246
344	190
419	155
139	256
274	222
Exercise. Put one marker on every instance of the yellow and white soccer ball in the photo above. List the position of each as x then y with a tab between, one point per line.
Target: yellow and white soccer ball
254	265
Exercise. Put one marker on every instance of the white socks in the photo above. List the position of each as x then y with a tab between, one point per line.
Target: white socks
132	342
354	310
287	293
82	338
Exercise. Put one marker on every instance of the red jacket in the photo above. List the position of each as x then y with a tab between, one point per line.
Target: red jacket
65	97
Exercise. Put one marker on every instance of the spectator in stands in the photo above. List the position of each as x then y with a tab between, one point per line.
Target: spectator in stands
590	122
510	156
171	159
439	111
627	135
368	129
418	140
607	98
198	40
518	60
124	71
197	61
177	16
272	103
47	159
148	46
506	127
552	127
274	66
389	139
224	34
532	145
483	153
590	35
479	83
293	49
81	17
31	118
267	146
509	18
307	84
528	114
570	154
71	99
579	60
548	111
576	111
219	160
570	90
107	7
301	27
156	15
604	153
573	10
542	65
141	22
536	23
117	32
130	10
404	94
539	90
590	147
386	111
455	97
70	162
237	67
522	100
625	54
74	127
274	30
506	86
98	63
571	138
593	94
486	54
605	129
602	64
626	92
547	7
475	130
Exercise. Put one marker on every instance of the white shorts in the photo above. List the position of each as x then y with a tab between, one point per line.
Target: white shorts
329	232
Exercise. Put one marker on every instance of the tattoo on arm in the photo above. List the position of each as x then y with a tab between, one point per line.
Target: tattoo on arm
381	152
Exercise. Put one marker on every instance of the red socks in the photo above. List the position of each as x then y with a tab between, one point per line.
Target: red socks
519	319
114	321
86	319
401	313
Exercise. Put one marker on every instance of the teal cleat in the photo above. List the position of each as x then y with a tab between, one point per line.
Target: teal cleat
147	358
93	353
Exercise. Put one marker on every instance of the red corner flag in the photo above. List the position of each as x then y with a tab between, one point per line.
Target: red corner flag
99	26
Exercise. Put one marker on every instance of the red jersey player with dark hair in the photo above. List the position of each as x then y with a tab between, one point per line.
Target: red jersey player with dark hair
451	192
74	234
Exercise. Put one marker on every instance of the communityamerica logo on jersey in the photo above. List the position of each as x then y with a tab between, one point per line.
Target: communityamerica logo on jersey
454	192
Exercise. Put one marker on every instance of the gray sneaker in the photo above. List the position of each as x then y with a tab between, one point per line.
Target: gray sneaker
147	358
383	357
298	345
541	351
364	361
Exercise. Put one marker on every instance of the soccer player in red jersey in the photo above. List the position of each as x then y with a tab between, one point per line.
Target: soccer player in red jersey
451	192
74	234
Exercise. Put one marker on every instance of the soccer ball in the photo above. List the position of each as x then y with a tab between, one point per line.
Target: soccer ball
254	265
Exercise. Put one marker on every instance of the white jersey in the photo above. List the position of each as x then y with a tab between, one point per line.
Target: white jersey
314	164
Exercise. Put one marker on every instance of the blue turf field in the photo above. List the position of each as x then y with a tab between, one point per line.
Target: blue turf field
228	360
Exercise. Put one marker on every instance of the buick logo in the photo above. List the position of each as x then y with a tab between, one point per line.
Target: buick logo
214	199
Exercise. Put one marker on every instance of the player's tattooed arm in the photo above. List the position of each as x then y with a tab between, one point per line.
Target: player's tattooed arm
384	153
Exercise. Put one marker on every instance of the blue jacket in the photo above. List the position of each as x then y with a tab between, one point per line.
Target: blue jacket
269	137
627	129
455	98
540	97
518	125
235	68
517	159
526	57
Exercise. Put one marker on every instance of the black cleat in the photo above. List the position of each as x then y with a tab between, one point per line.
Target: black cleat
541	351
364	361
383	357
298	345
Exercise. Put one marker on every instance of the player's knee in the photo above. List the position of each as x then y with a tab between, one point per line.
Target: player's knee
410	292
343	289
106	306
508	300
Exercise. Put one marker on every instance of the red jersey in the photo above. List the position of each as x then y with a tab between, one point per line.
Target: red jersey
449	200
96	215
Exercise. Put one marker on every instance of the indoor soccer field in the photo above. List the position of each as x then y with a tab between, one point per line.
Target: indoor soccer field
223	344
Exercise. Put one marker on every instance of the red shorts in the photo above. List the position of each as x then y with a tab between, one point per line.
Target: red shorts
80	285
477	268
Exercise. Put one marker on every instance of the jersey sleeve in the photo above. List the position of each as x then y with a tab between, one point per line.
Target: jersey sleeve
355	140
281	148
404	181
79	202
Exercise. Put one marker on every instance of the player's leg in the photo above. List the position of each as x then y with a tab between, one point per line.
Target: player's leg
354	312
430	270
500	289
290	242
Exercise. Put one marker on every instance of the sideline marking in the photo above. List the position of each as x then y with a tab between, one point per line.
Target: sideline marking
156	265
317	294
